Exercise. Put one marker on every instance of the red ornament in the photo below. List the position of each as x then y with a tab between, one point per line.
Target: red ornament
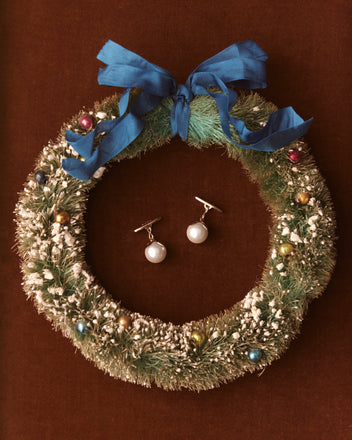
86	122
294	156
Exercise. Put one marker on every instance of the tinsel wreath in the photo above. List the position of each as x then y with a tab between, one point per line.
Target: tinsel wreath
197	355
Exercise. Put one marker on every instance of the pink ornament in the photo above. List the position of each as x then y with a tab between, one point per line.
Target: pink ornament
294	156
86	122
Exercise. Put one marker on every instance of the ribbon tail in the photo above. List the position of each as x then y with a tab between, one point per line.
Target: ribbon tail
125	132
179	118
124	100
82	144
144	103
282	128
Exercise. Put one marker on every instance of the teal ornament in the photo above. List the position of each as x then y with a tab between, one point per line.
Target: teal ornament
40	177
255	355
81	327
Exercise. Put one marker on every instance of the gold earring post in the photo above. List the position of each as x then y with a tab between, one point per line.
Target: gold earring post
207	206
148	227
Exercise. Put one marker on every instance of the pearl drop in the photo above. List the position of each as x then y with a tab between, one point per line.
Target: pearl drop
197	232
155	252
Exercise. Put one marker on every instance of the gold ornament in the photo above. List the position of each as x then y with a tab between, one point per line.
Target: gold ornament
62	217
285	249
302	198
198	338
82	159
125	322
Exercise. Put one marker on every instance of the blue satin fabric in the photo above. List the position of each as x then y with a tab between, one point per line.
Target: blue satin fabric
240	65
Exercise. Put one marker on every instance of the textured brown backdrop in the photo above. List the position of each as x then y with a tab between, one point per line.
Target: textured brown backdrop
49	73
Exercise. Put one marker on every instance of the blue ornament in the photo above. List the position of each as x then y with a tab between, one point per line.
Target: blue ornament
254	355
81	327
40	177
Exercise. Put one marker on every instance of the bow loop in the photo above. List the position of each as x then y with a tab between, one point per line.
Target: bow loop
127	69
239	65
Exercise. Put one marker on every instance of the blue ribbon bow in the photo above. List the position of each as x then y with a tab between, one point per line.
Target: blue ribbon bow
240	65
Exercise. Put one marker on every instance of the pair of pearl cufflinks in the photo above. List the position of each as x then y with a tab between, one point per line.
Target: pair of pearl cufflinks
197	233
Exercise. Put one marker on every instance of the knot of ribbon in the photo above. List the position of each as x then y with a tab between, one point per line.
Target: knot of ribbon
180	111
240	65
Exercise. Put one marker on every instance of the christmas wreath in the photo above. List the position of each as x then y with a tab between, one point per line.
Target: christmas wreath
51	240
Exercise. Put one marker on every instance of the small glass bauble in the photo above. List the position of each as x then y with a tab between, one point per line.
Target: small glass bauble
62	217
86	122
254	355
294	156
41	177
125	322
285	249
198	338
302	198
81	327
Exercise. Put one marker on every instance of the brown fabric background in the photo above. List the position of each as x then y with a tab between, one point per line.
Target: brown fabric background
48	74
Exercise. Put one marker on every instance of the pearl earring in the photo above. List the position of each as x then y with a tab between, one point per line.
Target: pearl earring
155	252
198	232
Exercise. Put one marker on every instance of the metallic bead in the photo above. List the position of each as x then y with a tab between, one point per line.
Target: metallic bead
86	122
198	338
125	322
294	156
81	327
302	198
285	249
40	177
62	217
254	355
82	159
